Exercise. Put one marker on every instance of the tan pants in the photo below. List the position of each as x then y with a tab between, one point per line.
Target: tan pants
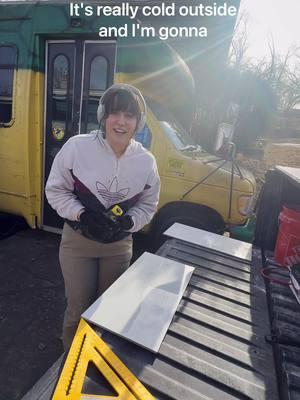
88	268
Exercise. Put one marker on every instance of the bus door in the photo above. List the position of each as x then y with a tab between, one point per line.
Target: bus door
77	74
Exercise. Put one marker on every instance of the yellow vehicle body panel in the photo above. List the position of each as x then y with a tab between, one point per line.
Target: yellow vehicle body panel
179	173
21	150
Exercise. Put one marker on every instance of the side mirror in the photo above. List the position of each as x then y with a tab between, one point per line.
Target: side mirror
226	129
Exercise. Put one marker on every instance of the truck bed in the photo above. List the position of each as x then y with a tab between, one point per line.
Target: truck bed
215	347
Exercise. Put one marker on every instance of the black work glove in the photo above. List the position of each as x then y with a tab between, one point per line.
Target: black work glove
98	226
125	222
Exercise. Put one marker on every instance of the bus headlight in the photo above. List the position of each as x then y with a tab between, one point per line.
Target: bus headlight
246	205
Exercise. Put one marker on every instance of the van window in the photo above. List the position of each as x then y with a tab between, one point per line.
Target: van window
172	128
8	63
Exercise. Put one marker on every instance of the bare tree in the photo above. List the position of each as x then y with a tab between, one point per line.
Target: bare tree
237	57
281	72
261	88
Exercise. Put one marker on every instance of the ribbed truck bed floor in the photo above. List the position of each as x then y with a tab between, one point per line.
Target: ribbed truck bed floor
215	347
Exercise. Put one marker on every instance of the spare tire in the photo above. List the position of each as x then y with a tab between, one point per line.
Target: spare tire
185	213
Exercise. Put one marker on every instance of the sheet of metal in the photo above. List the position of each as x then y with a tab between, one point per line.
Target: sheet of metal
144	300
212	241
292	173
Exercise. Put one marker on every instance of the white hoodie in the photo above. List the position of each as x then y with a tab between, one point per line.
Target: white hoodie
87	174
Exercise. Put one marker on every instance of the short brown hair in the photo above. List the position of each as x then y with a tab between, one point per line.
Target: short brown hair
121	99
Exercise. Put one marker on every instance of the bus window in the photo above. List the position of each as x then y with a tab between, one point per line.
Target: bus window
172	128
8	63
97	85
60	95
144	137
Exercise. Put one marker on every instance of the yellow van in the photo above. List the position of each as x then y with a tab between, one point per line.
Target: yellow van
54	69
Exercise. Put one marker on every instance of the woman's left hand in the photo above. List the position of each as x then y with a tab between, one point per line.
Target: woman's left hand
125	222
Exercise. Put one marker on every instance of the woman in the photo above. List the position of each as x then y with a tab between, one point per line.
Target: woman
94	177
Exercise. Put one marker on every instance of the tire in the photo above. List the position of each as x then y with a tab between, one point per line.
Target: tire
189	214
10	224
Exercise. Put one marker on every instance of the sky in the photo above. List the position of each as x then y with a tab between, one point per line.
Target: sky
279	19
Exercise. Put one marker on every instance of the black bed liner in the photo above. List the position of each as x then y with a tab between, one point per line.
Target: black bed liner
215	347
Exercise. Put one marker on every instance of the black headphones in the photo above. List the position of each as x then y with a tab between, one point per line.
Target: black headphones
132	89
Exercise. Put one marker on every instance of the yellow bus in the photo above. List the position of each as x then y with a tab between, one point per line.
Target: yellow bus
53	71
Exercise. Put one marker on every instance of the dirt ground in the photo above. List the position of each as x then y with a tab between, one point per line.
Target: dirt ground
32	305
